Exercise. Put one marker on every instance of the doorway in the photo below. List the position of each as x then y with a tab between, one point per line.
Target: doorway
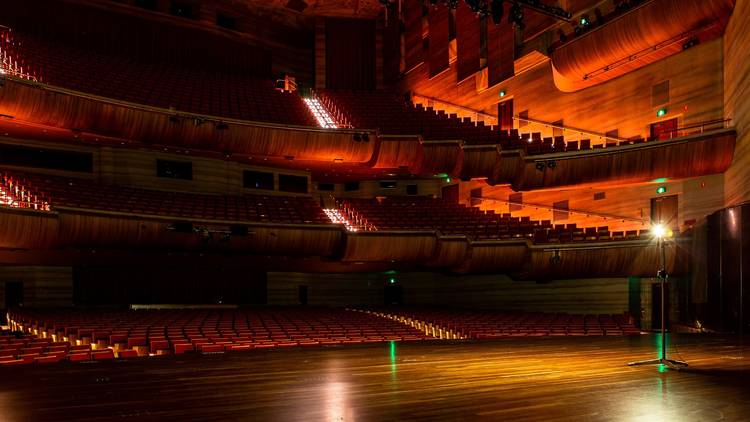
450	193
393	294
666	129
664	210
505	115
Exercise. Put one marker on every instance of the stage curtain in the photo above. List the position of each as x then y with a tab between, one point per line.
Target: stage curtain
439	33
467	40
500	50
350	54
413	33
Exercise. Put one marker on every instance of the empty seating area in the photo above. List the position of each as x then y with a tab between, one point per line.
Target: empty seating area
498	324
53	335
422	213
55	191
392	115
159	84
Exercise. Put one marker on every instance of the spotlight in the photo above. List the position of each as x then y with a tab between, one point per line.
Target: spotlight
551	164
540	166
497	11
555	259
365	137
357	137
660	231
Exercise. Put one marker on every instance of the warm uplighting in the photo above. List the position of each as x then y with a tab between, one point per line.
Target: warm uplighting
321	114
337	217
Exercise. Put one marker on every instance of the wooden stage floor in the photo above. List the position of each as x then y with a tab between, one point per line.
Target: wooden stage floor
545	379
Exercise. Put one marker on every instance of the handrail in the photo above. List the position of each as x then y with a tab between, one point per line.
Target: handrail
572	211
460	107
680	131
570	128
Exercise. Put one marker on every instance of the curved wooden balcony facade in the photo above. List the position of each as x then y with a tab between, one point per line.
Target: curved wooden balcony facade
650	32
67	229
314	148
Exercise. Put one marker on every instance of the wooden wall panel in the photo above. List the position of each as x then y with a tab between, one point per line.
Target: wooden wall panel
622	208
575	296
467	40
389	246
622	259
500	49
320	52
737	107
480	161
28	229
676	158
67	109
438	47
326	289
442	157
391	50
451	252
496	257
413	48
696	91
632	34
42	286
399	151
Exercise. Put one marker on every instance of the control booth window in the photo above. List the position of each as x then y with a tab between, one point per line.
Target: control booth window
257	180
182	170
295	184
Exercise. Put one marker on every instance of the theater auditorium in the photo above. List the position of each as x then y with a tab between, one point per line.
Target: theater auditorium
374	210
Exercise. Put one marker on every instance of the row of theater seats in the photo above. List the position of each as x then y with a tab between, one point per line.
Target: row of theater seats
84	335
423	213
392	115
160	84
81	193
497	324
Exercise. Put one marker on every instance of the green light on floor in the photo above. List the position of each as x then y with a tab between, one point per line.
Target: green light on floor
661	189
393	357
661	112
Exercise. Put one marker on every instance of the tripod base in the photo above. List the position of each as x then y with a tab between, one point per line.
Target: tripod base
672	364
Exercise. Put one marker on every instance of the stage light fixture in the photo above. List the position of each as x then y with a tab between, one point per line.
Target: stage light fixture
365	137
551	164
585	21
540	166
357	137
555	259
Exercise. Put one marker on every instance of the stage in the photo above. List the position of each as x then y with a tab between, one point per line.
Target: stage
546	379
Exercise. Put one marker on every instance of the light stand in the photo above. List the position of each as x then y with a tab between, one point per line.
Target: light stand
662	275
